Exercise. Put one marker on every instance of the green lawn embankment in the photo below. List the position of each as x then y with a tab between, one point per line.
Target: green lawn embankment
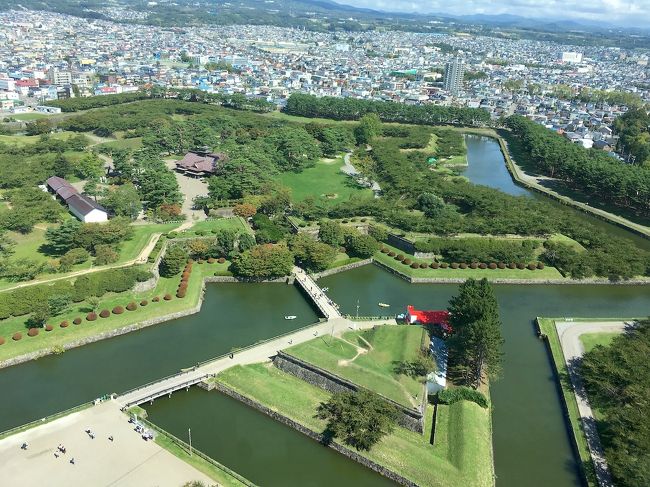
59	337
462	454
368	358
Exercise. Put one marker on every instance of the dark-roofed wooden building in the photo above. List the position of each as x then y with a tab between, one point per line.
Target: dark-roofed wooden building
80	205
201	163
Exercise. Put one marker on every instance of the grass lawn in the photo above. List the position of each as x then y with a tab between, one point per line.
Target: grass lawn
324	180
294	118
133	143
60	336
449	273
208	226
30	139
368	358
590	340
547	326
560	238
141	236
462	454
26	117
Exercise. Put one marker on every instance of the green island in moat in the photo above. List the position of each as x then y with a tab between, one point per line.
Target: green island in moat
288	190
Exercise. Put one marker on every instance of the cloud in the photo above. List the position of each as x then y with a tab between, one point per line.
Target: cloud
621	12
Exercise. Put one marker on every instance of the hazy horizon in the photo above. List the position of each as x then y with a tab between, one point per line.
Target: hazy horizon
634	13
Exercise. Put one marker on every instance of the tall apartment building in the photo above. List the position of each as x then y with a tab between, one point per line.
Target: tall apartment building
60	78
454	72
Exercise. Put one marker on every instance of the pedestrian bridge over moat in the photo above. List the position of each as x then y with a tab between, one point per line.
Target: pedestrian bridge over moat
334	324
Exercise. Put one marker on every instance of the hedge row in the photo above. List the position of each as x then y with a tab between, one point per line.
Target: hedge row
20	301
185	277
450	396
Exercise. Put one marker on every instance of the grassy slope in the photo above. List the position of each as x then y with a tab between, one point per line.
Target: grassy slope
461	455
60	336
449	273
547	327
590	340
374	369
29	139
325	178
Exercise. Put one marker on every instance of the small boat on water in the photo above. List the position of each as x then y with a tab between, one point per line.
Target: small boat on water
384	305
290	317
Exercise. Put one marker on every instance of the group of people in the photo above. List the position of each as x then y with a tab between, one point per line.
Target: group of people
61	450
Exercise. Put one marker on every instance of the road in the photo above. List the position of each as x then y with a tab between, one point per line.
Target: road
569	333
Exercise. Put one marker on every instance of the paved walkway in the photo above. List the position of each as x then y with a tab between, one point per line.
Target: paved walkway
350	170
569	333
127	461
190	187
260	353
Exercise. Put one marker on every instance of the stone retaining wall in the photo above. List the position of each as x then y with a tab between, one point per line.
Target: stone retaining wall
409	418
315	436
342	268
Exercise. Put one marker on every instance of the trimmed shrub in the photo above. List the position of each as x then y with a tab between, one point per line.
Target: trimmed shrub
400	257
155	299
450	396
415	265
104	313
180	293
501	265
492	265
118	310
391	254
32	332
434	265
454	265
482	265
49	327
77	321
512	265
363	220
144	302
131	306
532	267
92	316
201	261
221	260
211	260
423	265
384	250
521	265
167	297
462	265
63	324
540	265
444	265
344	221
17	336
474	265
2	341
407	261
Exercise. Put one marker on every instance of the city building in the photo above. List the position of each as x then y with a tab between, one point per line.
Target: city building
60	78
454	72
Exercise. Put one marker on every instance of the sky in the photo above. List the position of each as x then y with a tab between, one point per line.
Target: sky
618	12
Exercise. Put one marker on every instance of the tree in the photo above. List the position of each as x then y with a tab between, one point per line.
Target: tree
360	419
315	256
363	246
40	314
58	303
616	378
19	270
430	204
6	245
123	200
263	261
246	241
173	262
89	166
38	127
244	210
475	346
296	147
369	127
331	232
62	238
73	257
105	254
157	184
62	166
